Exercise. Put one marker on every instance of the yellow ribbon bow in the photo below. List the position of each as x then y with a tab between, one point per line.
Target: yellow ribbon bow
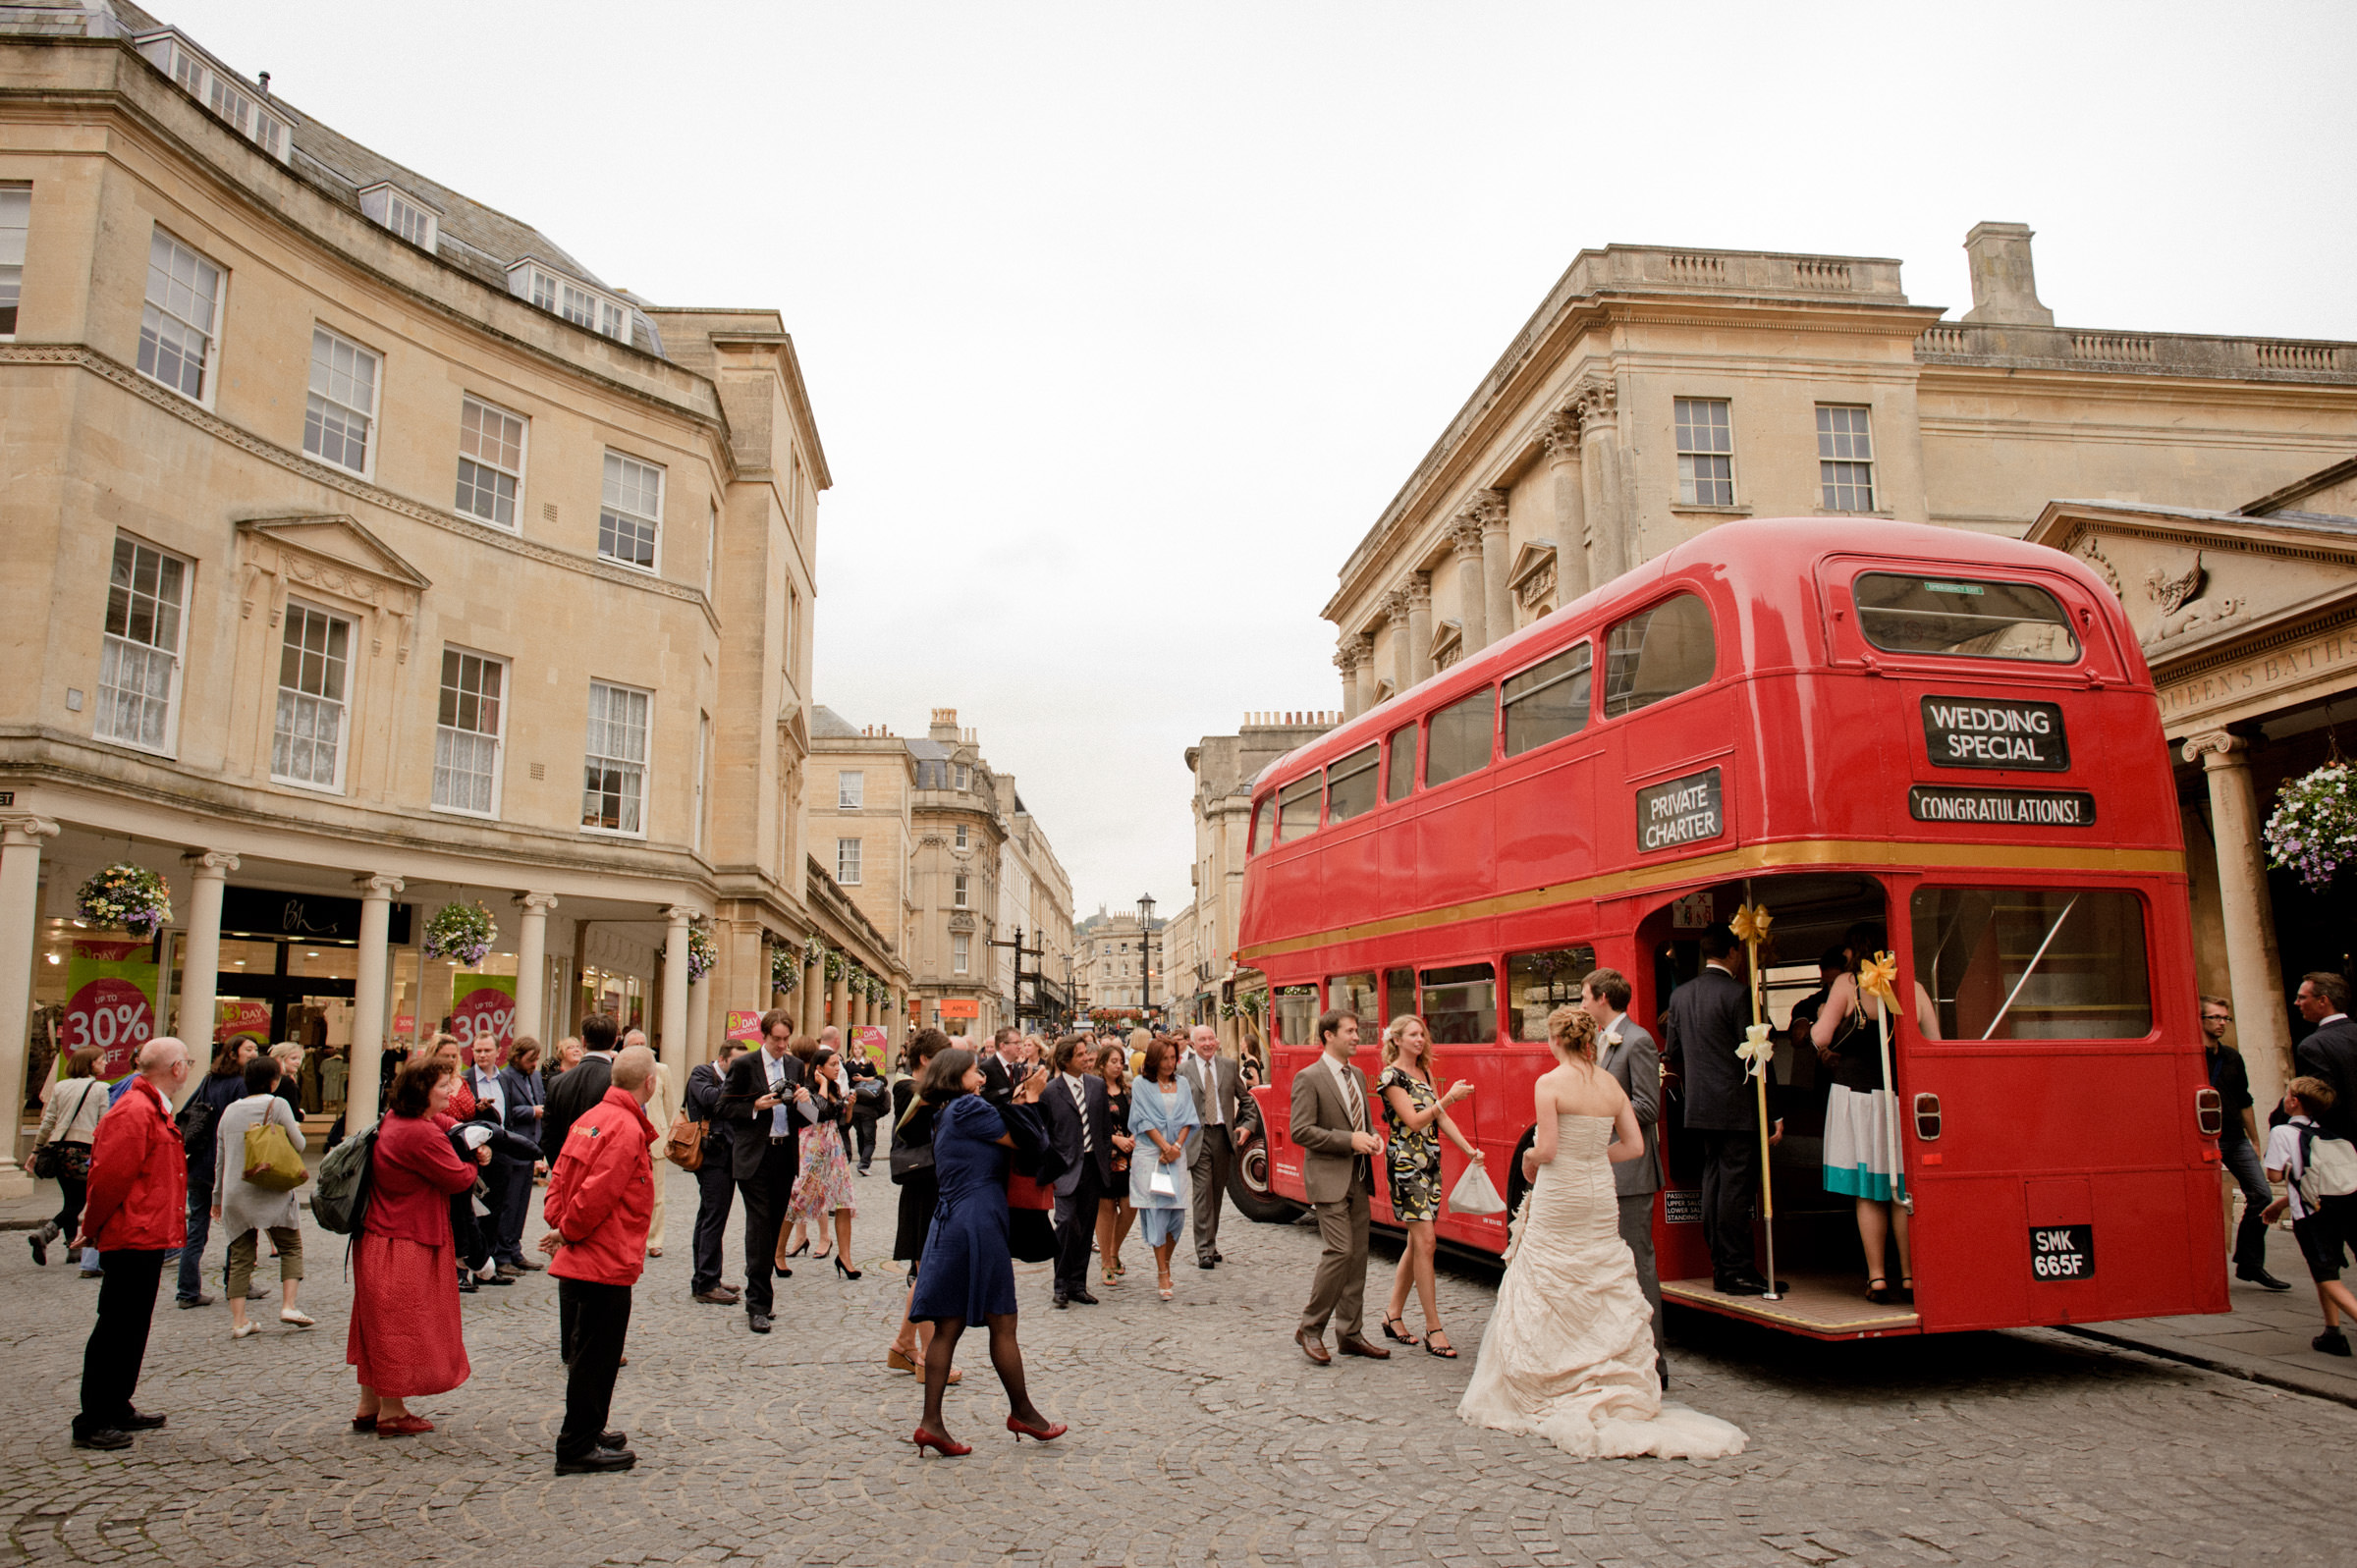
1878	977
1756	1048
1751	923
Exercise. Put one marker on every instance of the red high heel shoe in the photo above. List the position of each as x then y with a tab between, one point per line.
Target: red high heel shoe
925	1440
1035	1434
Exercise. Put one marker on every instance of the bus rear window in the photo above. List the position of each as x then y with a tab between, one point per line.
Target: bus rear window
1350	785
1297	808
2033	963
1962	618
1658	653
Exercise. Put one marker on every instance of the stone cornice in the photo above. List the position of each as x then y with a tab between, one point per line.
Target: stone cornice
107	368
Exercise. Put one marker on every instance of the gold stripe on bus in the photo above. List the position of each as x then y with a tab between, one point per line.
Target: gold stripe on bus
1783	855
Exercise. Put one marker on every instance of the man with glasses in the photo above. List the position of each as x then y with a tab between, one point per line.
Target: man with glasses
2237	1143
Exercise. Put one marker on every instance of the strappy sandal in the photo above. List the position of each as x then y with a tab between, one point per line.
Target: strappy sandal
1878	1291
1906	1291
1113	1276
1445	1352
1396	1331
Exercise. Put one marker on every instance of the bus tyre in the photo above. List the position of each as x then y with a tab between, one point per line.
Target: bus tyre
1249	1186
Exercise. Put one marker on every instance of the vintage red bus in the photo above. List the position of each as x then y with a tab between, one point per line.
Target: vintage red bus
1948	733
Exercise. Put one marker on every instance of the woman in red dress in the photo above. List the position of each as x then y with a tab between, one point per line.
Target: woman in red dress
405	1338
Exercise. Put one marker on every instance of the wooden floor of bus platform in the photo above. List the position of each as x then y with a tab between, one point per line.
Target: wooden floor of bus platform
1832	1306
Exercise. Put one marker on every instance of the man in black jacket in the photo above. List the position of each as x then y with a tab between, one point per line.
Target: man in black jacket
757	1101
1080	1129
580	1086
715	1178
2330	1054
1701	1028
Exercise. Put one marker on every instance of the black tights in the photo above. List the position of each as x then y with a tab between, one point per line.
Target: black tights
1005	1355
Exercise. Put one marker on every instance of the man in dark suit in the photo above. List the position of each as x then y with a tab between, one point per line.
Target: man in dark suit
1702	1026
1213	1078
756	1107
715	1177
1003	1066
580	1086
524	1103
1626	1051
2331	1052
1080	1128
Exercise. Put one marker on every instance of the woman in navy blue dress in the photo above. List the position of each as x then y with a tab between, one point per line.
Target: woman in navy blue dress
968	1272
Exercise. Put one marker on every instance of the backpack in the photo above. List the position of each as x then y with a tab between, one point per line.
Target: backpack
2328	1169
341	1189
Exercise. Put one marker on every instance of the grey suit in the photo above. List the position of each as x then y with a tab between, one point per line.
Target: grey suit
1213	1153
1637	1063
1338	1181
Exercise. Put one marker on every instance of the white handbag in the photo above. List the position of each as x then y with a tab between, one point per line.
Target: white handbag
1475	1194
1161	1184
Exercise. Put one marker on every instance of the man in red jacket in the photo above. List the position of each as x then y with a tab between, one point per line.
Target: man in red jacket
601	1194
135	1211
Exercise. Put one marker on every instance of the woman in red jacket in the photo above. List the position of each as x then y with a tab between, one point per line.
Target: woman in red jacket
405	1338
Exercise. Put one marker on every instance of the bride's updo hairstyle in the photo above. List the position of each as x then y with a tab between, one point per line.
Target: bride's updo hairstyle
1572	1034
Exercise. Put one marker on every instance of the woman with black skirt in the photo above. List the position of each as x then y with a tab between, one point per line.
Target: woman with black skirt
912	1162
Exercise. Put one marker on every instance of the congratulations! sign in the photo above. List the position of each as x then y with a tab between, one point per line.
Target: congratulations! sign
1974	732
1683	811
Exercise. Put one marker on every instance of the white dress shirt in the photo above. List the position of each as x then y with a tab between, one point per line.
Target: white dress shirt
1079	1093
1350	1094
1207	1075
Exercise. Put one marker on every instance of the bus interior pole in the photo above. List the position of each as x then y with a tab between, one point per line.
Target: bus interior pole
1751	924
1883	1001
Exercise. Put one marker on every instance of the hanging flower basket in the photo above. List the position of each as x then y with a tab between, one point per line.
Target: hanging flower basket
785	969
127	898
814	950
834	965
2314	829
461	931
701	954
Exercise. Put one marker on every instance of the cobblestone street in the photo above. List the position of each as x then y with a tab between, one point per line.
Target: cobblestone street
1199	1435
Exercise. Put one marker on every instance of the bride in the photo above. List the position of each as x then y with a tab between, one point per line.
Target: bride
1568	1351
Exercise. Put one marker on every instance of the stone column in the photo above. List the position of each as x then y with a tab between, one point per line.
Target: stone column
1560	437
1472	588
368	1002
1403	663
531	964
1497	561
1345	659
1419	626
815	1002
839	1001
674	1028
699	1022
200	954
1363	651
1608	546
2254	970
21	836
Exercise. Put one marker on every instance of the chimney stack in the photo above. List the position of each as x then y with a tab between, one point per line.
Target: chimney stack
2004	293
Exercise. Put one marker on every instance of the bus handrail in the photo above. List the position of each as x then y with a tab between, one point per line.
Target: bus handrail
2051	933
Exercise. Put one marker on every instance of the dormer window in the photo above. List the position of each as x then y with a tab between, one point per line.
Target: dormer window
224	93
577	302
406	215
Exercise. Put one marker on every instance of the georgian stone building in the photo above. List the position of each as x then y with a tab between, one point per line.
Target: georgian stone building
368	554
1657	392
1112	952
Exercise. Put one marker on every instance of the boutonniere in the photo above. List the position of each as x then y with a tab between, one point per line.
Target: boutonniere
1610	1037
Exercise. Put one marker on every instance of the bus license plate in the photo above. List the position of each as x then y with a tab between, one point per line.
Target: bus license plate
2061	1252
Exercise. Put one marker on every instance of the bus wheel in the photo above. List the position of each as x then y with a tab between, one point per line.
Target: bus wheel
1249	1186
1515	1186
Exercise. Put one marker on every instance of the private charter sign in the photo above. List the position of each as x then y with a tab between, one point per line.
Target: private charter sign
1683	811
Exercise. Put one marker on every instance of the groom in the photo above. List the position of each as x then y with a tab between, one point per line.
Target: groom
1628	1053
1700	1027
1330	1125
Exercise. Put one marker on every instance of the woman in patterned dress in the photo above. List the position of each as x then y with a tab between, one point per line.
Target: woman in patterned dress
1415	1113
825	1185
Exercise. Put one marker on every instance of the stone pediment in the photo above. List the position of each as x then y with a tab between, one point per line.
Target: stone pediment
2193	583
334	539
1531	579
331	557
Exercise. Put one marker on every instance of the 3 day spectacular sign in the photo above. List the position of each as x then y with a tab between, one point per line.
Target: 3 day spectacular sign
110	1002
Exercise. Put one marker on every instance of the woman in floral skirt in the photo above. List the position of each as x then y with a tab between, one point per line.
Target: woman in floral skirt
825	1185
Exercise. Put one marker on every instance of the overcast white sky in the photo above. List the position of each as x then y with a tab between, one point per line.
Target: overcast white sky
1123	322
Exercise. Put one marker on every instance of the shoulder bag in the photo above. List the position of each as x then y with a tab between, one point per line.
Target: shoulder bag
271	1162
67	1159
683	1146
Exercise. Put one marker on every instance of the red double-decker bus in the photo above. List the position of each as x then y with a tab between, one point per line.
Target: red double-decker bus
1949	734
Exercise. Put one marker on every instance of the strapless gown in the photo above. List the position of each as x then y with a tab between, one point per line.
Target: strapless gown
1569	1352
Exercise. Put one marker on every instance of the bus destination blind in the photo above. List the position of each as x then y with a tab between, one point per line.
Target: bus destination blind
1683	811
2002	808
1984	733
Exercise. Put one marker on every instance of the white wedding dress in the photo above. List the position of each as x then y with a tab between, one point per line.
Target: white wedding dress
1568	1353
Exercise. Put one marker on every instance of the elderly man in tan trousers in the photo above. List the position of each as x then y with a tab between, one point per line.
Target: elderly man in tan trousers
661	1108
1331	1111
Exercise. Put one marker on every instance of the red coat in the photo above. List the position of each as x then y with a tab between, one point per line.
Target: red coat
417	1172
602	1193
139	1196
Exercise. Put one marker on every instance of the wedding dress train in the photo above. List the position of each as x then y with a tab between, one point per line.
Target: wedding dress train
1569	1352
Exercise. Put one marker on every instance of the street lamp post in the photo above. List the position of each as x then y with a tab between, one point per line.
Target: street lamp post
1145	954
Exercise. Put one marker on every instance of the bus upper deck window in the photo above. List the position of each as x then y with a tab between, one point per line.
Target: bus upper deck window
2033	963
1350	785
1963	618
1297	808
1658	653
1458	739
1400	779
1263	822
1547	701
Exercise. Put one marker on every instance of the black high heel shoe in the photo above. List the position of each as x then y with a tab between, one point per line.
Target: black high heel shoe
847	1273
799	1250
1396	1331
1879	1291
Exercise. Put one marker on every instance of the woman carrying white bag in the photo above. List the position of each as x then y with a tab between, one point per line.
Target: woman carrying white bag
1415	1113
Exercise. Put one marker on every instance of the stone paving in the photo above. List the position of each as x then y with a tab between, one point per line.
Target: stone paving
1200	1437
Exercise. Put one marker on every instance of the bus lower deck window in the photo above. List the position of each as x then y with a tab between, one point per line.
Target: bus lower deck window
1538	983
1460	1004
1296	1015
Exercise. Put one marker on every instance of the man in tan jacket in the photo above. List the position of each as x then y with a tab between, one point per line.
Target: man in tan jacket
1333	1126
